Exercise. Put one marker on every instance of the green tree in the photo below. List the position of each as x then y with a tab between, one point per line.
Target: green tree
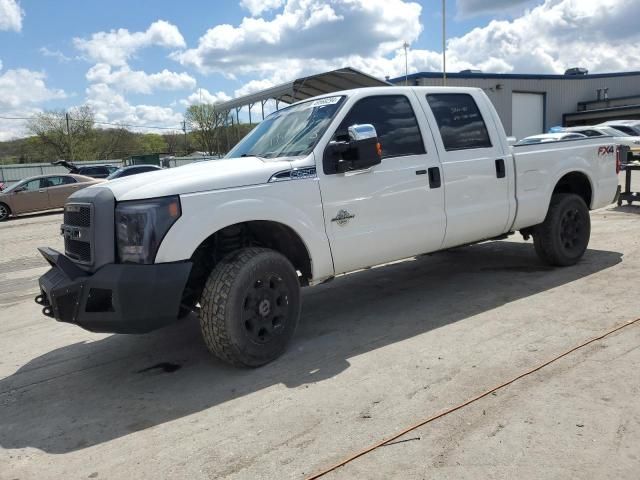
152	143
67	137
204	121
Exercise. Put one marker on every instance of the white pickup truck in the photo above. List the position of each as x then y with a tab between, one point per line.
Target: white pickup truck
323	187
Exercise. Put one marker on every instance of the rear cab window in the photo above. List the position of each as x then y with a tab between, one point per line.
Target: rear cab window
459	121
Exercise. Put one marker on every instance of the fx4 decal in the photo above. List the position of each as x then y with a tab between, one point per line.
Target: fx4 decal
605	150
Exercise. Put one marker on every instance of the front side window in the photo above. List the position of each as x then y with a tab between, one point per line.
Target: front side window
394	121
33	185
459	120
290	132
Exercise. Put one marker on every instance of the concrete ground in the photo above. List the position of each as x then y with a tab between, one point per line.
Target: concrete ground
375	352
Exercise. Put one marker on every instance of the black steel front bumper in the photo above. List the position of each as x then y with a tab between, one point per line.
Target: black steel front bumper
117	298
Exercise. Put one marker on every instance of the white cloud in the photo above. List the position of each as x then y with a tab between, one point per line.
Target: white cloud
21	87
126	80
305	31
601	36
117	46
110	106
256	7
253	86
57	54
21	93
202	95
10	15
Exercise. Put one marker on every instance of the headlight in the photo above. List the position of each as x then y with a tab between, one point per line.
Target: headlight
141	226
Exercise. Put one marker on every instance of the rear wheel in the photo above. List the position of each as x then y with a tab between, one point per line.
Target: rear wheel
563	237
250	307
5	211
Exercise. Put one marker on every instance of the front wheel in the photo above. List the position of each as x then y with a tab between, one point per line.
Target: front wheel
250	307
563	237
4	212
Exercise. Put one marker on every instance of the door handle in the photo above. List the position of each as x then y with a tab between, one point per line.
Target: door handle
434	177
41	191
501	172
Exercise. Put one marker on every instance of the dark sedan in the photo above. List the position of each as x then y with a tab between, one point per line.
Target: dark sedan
132	170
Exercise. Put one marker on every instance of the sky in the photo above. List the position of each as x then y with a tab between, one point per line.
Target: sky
143	62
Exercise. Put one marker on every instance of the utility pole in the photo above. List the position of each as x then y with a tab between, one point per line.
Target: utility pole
405	45
444	43
184	129
66	116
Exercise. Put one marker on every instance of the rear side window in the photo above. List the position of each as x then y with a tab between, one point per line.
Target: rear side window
57	181
394	121
459	120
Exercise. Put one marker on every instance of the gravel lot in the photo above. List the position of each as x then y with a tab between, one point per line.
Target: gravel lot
375	352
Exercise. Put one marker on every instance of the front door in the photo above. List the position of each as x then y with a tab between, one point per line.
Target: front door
31	197
388	211
60	187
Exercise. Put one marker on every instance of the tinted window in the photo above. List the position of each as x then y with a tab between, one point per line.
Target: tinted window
393	119
627	130
94	171
459	120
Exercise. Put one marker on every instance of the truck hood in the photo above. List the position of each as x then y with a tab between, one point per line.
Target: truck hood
197	177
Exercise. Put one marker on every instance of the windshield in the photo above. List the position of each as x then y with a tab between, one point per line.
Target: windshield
290	132
12	187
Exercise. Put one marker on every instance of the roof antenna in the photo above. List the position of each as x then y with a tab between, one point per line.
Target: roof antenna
405	45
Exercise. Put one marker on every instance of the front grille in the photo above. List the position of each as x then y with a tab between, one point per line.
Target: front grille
77	216
77	231
77	250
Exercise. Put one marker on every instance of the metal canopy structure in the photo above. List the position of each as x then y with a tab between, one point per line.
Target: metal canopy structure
301	89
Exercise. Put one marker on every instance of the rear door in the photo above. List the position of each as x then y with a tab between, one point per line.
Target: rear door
388	211
475	172
60	187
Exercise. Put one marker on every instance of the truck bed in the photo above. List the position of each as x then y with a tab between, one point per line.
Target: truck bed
539	167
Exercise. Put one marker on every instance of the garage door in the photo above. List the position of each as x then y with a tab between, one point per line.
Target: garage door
527	114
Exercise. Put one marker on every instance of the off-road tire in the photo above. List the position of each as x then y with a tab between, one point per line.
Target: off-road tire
5	212
250	307
562	238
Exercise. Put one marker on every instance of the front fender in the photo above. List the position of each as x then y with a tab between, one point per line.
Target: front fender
296	204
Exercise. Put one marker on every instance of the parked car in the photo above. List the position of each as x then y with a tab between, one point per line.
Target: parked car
133	170
95	171
326	186
630	127
620	137
550	137
44	192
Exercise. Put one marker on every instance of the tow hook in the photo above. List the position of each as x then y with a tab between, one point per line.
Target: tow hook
44	301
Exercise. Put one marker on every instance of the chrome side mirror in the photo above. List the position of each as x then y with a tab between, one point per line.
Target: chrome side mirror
362	132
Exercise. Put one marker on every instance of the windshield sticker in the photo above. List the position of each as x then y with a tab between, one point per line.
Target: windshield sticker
325	101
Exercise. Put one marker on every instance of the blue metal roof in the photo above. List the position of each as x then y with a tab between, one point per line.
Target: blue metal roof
522	76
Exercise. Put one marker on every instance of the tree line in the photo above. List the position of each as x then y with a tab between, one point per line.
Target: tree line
74	135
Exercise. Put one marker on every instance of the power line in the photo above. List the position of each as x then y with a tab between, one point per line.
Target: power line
127	125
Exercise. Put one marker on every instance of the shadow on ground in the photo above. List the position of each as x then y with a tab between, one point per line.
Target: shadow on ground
88	393
632	208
